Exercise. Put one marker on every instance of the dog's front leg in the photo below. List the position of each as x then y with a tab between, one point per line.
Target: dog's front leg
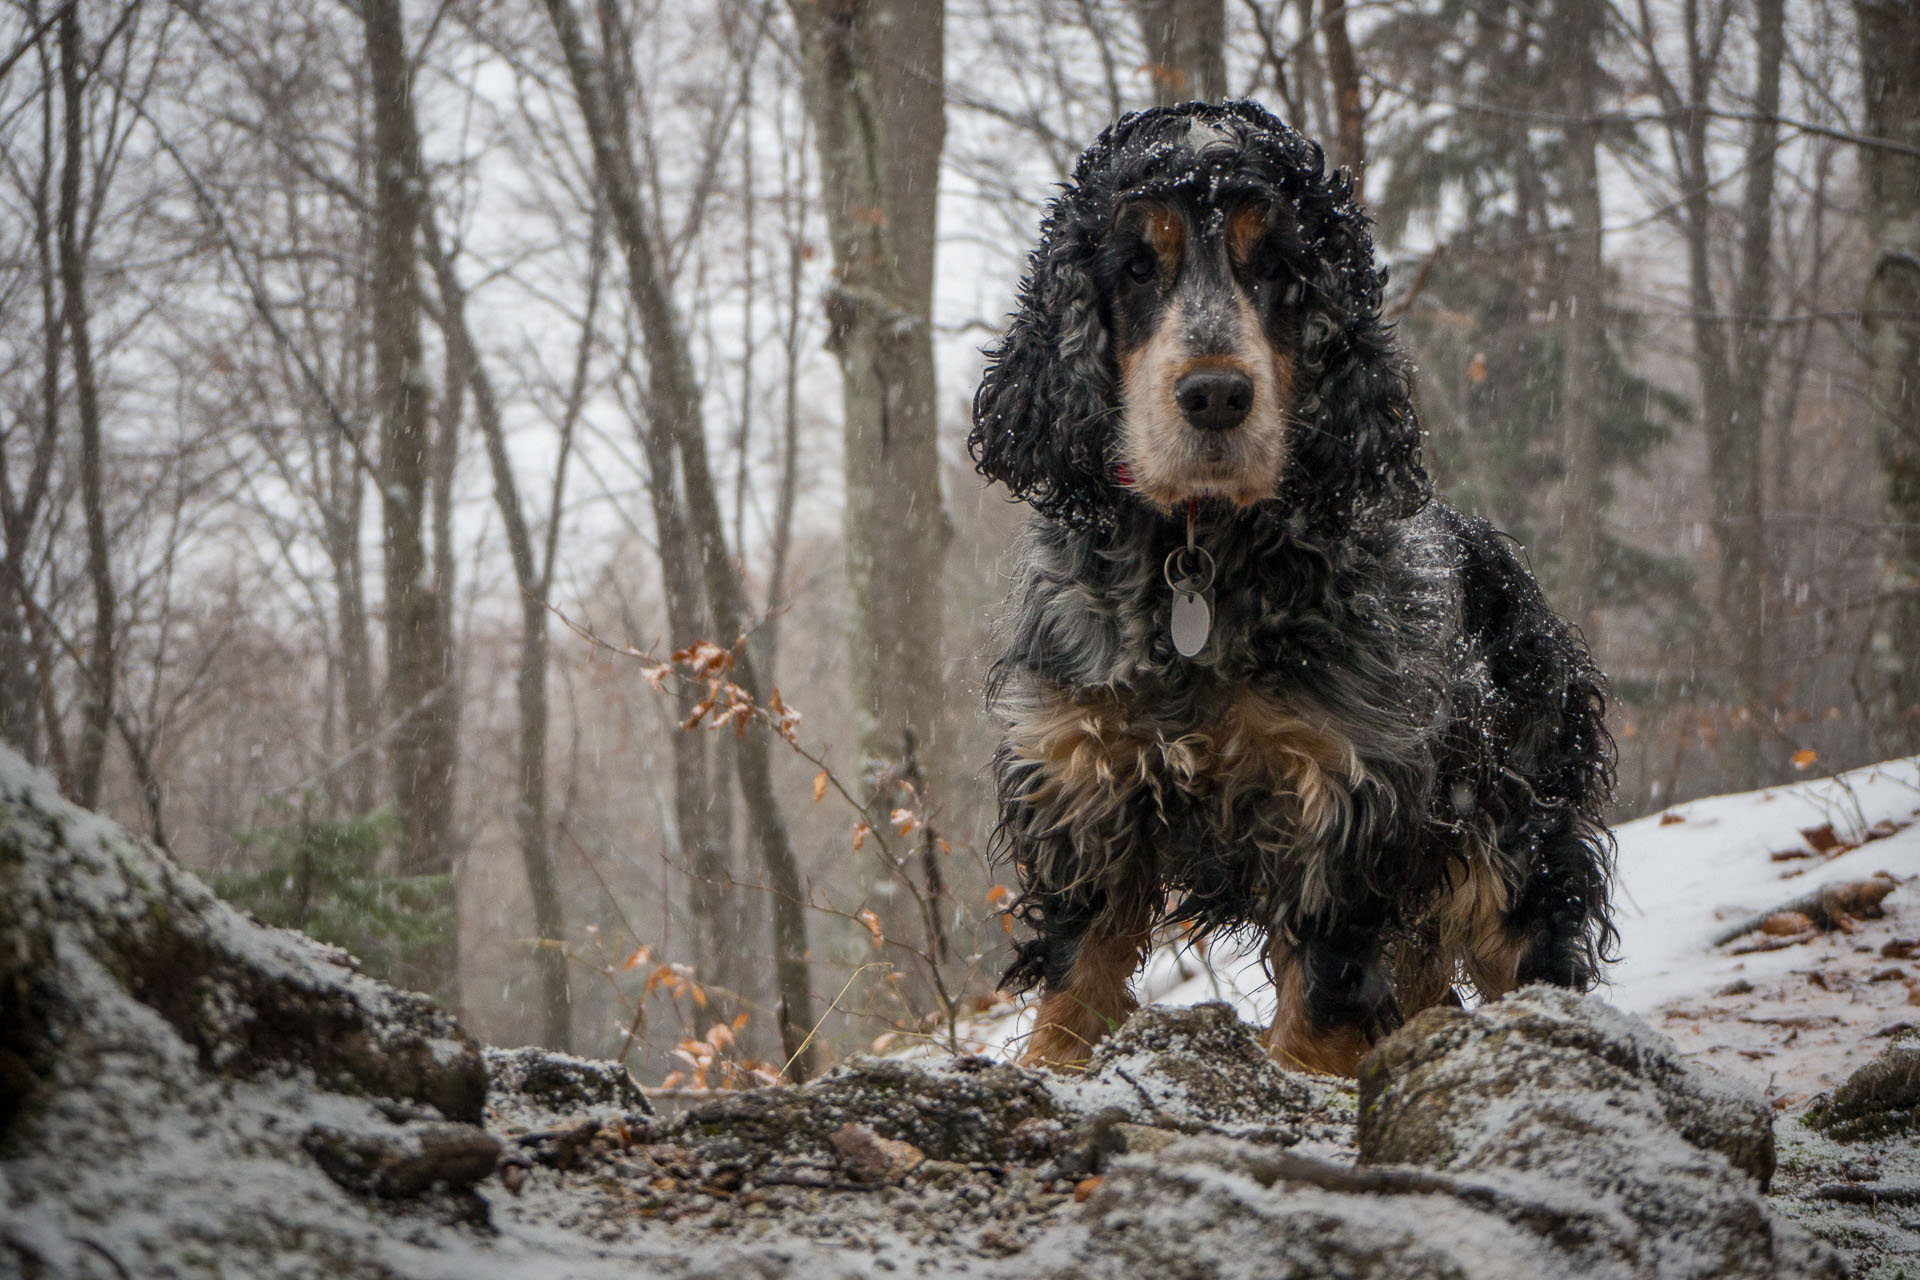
1333	997
1091	998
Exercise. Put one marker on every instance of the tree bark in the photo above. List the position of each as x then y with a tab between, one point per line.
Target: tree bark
1343	70
530	816
419	667
673	398
20	672
1733	367
1581	23
1890	82
702	799
1738	474
874	86
1186	48
97	719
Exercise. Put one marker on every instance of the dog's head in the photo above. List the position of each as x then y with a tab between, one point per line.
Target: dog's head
1201	319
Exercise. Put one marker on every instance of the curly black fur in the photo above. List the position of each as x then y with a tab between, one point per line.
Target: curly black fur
1413	631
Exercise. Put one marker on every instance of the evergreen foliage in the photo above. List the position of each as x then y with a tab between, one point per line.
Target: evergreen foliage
322	876
1486	311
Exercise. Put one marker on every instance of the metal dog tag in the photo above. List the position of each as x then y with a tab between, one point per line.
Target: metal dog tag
1192	622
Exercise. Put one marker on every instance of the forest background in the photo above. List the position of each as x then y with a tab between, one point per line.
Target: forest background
486	483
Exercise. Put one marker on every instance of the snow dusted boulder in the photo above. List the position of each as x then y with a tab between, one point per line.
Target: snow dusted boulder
177	1081
1439	1094
1581	1121
1881	1098
531	1088
1201	1068
103	942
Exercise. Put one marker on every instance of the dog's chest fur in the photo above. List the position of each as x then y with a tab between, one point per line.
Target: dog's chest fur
1232	774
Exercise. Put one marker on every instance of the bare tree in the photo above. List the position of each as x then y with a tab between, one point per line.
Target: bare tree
1730	349
1580	25
1185	48
674	399
1890	63
100	662
533	575
419	654
874	84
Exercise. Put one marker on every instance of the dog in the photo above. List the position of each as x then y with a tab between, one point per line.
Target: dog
1254	677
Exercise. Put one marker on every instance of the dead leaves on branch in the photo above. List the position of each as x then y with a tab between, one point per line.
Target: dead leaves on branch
725	704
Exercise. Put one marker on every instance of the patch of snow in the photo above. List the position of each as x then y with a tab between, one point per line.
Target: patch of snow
1682	877
1687	874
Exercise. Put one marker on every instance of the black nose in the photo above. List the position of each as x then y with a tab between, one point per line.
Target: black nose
1214	399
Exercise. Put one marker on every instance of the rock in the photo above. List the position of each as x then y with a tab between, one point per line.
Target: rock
1196	1066
967	1110
1438	1094
93	923
407	1162
871	1158
1588	1128
531	1087
1883	1097
184	1092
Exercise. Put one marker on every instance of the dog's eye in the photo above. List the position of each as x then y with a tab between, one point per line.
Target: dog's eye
1141	268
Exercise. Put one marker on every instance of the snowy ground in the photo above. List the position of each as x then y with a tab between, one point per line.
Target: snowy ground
1791	1021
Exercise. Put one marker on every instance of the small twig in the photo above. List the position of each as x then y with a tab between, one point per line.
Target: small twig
833	1004
1869	1193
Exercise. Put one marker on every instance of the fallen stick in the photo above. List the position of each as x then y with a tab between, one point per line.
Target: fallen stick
1824	906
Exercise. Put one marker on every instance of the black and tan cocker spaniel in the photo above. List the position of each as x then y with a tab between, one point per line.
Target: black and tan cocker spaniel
1254	677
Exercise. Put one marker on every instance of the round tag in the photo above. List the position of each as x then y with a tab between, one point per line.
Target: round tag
1192	621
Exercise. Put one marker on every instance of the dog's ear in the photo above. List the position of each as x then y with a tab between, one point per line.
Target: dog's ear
1040	415
1358	460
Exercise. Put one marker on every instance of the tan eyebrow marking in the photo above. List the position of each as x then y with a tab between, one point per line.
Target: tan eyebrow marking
1165	231
1245	226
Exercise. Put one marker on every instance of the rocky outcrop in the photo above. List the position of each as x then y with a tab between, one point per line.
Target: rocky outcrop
184	1092
99	933
1883	1097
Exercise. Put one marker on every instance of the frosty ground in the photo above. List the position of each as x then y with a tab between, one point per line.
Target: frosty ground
1792	1021
185	1093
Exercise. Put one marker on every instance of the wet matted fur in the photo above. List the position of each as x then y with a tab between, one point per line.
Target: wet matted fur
1389	757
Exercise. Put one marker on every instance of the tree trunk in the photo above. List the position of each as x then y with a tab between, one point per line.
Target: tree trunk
536	852
1738	473
1581	24
873	82
97	718
20	509
1890	80
1733	373
1186	48
673	398
419	670
1343	70
701	797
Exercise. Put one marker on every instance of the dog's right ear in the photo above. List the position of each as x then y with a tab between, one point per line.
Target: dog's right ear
1040	417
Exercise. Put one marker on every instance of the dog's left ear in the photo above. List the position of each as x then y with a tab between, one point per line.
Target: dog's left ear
1361	462
1040	415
